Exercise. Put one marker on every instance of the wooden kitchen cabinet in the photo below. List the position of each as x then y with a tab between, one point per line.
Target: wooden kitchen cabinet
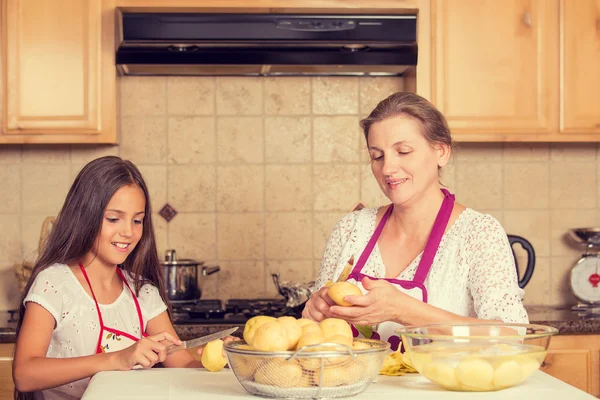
6	382
575	359
526	70
58	71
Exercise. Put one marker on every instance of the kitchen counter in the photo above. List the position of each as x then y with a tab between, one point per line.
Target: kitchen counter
562	318
187	383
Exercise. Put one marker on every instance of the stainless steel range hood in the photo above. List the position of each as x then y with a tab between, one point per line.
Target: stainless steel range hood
158	43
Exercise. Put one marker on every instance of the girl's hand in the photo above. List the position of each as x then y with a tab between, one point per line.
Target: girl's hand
318	306
225	340
383	302
146	352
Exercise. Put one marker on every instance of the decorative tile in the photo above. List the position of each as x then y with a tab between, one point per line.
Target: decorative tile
167	212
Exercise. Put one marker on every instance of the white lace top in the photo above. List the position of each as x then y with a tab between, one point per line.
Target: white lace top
77	327
473	272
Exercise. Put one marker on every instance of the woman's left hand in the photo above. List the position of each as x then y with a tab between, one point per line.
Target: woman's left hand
383	302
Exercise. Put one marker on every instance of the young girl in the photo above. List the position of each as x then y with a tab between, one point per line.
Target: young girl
96	298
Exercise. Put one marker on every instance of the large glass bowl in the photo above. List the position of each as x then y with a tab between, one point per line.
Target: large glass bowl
477	357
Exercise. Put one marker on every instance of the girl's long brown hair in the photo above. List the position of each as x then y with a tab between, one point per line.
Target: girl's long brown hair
80	220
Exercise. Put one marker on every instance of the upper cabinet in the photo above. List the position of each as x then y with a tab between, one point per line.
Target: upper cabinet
58	72
524	70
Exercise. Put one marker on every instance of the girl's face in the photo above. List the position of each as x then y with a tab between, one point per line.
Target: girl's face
122	226
403	162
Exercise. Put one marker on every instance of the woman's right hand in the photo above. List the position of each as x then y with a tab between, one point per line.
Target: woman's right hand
146	352
317	307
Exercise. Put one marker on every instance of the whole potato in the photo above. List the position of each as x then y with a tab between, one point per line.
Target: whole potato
339	290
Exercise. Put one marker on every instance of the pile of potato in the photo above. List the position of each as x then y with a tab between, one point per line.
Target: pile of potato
269	334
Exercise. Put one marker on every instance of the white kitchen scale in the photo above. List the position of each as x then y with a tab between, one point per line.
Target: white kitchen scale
585	274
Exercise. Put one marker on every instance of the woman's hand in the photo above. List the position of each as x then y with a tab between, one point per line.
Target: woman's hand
146	352
225	340
317	307
383	302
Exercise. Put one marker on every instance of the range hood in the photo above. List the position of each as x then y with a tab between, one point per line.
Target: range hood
165	43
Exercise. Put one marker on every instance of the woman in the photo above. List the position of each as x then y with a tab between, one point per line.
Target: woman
424	258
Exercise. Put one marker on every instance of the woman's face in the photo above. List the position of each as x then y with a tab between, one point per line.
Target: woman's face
122	226
403	162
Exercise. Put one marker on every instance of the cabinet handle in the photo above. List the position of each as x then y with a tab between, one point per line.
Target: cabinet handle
527	20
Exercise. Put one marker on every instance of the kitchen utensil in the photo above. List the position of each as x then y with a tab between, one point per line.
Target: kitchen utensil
188	344
182	276
585	274
296	294
316	371
476	357
512	239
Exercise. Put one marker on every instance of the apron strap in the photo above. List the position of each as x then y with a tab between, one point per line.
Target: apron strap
137	304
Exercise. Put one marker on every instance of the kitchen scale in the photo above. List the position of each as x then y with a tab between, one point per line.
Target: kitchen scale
585	274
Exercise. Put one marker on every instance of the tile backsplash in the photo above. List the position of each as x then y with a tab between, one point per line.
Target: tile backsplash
260	169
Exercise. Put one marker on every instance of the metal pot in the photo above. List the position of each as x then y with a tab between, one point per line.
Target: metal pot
181	277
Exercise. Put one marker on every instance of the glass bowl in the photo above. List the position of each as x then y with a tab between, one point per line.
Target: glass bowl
477	357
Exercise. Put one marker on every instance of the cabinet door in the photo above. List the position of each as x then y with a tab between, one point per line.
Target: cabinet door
580	47
496	65
6	382
570	366
56	74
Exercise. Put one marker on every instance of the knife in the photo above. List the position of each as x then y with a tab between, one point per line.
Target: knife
345	272
187	344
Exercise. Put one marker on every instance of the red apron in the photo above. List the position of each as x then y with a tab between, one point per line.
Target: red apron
386	330
114	339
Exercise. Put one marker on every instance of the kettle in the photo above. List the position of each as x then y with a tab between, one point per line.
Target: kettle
512	239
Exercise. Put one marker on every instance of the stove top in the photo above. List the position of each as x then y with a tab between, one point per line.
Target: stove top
234	311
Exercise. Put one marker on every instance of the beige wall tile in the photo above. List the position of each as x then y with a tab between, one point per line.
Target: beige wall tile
288	188
31	227
242	280
335	139
527	152
52	180
155	177
239	96
144	139
336	186
10	195
479	185
572	185
537	291
45	154
143	96
192	140
241	236
288	139
288	236
491	152
9	289
190	95
161	233
560	287
193	236
531	225
290	272
526	185
241	188
573	152
84	153
335	95
287	96
10	154
240	139
370	192
192	188
374	90
448	177
324	222
10	237
561	221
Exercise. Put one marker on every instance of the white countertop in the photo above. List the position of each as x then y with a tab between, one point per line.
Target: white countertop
187	383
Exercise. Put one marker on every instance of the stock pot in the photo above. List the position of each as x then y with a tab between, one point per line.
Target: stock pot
181	276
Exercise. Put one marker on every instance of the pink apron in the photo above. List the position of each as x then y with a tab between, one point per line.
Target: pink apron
386	330
111	339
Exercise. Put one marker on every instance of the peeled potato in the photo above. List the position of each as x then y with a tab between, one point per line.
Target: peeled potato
475	374
442	374
293	330
339	290
335	326
507	374
332	376
309	339
212	356
280	373
271	336
253	324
